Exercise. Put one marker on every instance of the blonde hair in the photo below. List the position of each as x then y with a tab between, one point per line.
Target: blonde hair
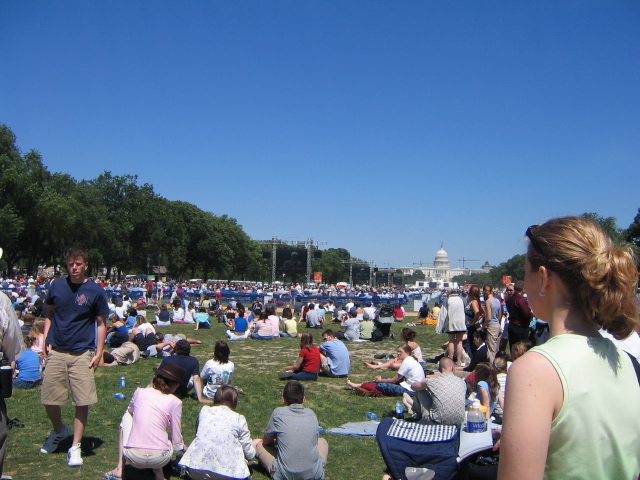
37	329
600	278
519	349
501	364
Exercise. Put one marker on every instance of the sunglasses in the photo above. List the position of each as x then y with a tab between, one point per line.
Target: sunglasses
534	242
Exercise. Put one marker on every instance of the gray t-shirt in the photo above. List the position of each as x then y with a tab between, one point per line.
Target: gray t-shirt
296	429
352	332
448	394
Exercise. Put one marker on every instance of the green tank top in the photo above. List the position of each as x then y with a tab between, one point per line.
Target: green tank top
595	434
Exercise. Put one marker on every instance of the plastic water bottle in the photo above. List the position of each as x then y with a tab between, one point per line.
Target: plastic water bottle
372	416
119	395
122	381
225	377
399	409
475	419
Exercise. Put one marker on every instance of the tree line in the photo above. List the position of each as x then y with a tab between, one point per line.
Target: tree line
128	228
125	227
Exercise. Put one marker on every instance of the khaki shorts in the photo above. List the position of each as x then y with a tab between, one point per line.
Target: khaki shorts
68	371
147	460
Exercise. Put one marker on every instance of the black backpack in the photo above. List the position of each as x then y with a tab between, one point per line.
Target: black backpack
386	310
377	335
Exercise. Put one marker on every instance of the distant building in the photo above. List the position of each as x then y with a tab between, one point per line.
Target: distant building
441	272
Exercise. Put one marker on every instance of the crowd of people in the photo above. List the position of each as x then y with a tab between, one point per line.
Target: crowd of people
573	319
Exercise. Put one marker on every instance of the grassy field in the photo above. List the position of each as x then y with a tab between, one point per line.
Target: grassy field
257	363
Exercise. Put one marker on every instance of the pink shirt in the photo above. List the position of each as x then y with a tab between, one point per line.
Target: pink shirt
264	328
275	325
153	414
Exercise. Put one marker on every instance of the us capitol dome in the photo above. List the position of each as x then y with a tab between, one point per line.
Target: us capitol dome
441	270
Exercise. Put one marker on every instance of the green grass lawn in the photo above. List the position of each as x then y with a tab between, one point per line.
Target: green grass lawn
257	364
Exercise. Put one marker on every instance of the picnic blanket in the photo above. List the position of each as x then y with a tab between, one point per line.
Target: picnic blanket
356	429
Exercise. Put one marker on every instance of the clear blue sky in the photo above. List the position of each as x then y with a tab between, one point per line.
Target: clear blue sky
381	127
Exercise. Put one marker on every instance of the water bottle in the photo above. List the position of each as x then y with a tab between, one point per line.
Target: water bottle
399	409
225	377
122	381
320	429
119	395
475	418
372	416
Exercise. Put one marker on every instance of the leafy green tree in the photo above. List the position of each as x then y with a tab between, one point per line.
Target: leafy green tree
632	234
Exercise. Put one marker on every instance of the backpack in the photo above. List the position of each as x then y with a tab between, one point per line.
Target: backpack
386	310
377	335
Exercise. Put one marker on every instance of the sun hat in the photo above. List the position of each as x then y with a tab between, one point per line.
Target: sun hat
171	371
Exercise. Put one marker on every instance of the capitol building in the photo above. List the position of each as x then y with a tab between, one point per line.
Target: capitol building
442	271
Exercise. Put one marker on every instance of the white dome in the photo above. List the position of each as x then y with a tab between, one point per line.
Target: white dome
442	258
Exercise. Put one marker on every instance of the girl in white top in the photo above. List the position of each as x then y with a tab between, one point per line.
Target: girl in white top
218	371
190	313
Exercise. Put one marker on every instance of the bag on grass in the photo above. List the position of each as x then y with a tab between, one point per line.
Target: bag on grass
377	335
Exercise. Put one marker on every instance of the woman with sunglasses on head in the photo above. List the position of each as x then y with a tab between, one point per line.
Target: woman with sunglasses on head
571	406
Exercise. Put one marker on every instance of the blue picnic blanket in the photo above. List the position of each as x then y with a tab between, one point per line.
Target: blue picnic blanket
356	429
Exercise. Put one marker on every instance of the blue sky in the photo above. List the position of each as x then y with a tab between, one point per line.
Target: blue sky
381	127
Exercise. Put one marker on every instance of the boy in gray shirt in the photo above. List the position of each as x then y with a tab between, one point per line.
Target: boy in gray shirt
291	448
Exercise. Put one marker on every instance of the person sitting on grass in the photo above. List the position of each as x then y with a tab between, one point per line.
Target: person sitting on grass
238	325
263	329
162	316
485	384
291	447
202	319
366	327
410	371
153	411
440	399
218	371
191	366
26	371
308	362
289	324
335	361
408	336
223	441
352	328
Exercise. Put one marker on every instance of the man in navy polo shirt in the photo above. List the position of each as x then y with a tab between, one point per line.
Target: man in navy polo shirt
75	330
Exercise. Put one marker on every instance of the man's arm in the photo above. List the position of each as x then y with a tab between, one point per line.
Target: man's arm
101	336
487	317
397	378
47	325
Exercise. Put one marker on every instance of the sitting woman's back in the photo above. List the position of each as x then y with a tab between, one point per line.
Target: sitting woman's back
223	443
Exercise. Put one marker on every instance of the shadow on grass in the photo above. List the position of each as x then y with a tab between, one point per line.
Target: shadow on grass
87	447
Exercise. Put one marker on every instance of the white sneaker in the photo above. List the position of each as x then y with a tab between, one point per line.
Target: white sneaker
74	456
54	439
